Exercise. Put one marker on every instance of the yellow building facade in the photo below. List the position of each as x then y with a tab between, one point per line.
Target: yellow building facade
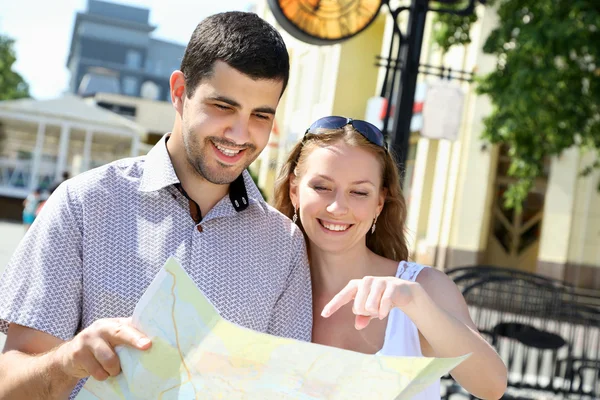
453	187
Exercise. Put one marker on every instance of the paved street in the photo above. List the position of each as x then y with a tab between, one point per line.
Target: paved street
10	234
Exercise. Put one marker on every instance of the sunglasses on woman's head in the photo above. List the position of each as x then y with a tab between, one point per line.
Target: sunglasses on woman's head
368	130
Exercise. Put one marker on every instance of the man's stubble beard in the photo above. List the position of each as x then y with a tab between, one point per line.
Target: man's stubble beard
196	155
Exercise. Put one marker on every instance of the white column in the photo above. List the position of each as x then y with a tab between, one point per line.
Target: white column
37	155
135	144
63	151
446	222
559	205
420	194
87	149
438	198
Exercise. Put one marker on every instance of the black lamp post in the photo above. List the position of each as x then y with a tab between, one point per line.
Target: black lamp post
408	62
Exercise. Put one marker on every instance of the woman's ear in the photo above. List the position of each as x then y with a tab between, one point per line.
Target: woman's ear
293	189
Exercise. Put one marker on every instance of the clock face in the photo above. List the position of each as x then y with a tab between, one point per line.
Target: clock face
324	22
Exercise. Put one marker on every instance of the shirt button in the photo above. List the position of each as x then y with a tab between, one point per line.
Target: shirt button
199	227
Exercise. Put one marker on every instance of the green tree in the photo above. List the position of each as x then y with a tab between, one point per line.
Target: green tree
12	85
545	90
451	29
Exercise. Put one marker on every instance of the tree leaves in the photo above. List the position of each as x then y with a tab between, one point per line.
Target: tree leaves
12	85
451	29
545	90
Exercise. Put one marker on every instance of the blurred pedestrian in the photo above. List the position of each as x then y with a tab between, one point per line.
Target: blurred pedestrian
65	175
30	205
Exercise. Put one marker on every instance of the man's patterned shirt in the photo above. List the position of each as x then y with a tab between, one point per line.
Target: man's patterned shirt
103	236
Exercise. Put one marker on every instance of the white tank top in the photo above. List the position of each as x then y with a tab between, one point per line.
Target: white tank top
401	334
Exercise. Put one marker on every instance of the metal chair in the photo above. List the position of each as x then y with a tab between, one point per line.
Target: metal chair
547	333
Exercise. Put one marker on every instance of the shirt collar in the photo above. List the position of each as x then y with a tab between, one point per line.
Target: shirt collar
158	168
159	173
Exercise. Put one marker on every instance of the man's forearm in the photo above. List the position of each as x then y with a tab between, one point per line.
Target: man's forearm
23	376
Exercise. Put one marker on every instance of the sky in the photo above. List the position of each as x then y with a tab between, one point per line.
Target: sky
42	32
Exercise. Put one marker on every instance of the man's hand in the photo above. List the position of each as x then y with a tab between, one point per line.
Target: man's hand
92	351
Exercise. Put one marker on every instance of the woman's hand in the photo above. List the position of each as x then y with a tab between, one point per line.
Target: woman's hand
439	311
374	297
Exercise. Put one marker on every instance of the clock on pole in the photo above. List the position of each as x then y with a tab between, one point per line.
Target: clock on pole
324	22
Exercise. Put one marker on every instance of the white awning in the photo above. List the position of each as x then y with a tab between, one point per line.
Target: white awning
72	110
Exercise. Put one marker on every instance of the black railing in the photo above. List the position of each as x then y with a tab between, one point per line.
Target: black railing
547	332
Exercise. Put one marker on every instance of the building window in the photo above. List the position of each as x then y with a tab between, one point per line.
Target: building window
150	90
130	86
133	59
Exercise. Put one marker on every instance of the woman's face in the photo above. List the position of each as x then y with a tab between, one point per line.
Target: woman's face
338	194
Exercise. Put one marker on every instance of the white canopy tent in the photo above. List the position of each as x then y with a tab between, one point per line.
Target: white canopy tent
41	139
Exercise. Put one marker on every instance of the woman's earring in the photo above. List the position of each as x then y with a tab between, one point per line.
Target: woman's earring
295	217
373	227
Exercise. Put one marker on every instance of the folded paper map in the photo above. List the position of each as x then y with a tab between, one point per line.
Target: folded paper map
196	354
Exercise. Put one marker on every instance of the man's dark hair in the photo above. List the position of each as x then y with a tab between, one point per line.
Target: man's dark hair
243	40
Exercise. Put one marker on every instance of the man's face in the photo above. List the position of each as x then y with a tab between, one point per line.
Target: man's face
227	122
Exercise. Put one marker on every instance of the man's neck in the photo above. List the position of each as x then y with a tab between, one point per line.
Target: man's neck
203	192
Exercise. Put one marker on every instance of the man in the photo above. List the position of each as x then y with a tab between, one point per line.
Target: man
103	235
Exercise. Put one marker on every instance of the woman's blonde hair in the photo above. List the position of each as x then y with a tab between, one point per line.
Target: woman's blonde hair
388	240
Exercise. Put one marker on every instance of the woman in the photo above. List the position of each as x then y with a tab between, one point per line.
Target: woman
341	186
